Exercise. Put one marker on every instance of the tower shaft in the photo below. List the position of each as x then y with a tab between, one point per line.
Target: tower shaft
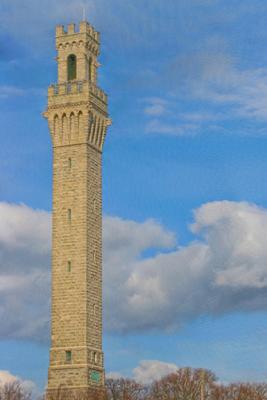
78	120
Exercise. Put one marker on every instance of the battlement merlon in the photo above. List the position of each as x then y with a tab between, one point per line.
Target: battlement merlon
85	29
75	92
77	52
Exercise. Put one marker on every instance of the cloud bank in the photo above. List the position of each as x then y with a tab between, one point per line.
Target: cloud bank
149	281
24	274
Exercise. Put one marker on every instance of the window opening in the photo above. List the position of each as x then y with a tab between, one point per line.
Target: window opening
69	266
72	67
95	358
68	356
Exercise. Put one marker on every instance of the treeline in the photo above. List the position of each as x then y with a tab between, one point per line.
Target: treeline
185	384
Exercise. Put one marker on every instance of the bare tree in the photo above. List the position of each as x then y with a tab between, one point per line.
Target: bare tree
185	384
124	389
14	391
240	391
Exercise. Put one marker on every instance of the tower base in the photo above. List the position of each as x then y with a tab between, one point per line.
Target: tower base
63	393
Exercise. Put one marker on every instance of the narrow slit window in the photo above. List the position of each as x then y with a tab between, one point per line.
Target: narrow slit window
68	356
70	163
90	70
72	67
69	215
69	266
95	358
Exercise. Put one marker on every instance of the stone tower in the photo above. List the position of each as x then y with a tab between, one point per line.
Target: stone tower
78	121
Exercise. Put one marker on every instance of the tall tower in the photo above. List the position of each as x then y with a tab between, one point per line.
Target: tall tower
78	121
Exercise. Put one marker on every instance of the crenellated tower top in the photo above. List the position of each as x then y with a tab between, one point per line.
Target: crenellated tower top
84	27
77	107
83	46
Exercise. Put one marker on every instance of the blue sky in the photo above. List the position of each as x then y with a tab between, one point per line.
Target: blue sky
184	188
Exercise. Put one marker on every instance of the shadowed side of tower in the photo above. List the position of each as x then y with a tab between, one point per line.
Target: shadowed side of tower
78	120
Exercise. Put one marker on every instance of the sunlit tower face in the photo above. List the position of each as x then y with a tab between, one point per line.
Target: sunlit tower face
78	121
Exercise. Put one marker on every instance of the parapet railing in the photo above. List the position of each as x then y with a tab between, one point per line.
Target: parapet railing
76	87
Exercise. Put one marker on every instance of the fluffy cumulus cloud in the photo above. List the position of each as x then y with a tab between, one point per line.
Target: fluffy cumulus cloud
236	234
24	275
149	281
224	269
150	370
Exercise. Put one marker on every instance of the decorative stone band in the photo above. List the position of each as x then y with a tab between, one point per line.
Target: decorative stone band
76	87
76	392
78	128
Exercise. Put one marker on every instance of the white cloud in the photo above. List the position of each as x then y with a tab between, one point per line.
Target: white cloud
236	233
243	91
24	271
147	371
114	375
155	106
215	89
127	239
225	269
24	228
8	91
167	128
7	378
150	370
149	282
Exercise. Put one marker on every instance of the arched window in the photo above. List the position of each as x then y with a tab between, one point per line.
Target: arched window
90	73
64	125
69	214
56	125
72	67
101	128
72	124
80	123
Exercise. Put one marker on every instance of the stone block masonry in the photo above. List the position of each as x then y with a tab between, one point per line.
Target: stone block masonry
78	120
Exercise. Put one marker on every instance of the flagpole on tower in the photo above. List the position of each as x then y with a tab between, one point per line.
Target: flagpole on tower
84	17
